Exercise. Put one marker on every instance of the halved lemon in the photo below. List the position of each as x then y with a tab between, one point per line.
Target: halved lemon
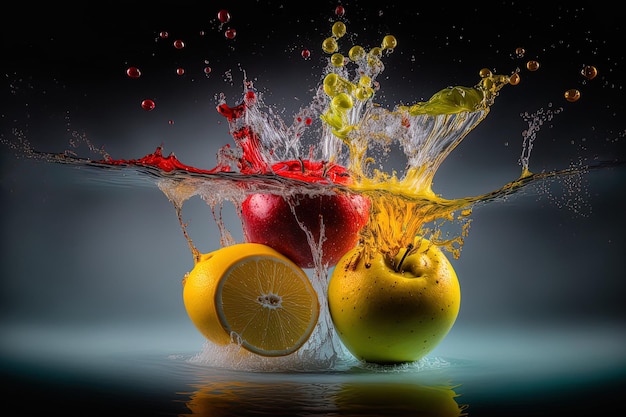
252	295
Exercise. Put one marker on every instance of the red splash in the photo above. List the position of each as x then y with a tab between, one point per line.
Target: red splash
164	163
252	160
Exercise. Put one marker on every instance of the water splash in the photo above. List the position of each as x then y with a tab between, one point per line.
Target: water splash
535	122
354	129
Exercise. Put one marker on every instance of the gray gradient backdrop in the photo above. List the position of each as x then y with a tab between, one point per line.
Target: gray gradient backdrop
88	257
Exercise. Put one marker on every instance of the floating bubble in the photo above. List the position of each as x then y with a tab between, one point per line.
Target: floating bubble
572	95
337	60
148	104
305	53
485	72
514	79
532	65
339	29
589	72
340	11
389	42
179	44
356	53
230	33
163	35
330	45
207	70
520	52
133	72
223	16
180	71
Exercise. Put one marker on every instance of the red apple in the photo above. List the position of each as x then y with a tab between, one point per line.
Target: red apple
269	219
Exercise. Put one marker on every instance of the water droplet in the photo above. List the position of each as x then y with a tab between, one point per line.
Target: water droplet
337	60
230	33
223	16
532	65
330	45
572	95
340	11
180	71
484	73
356	52
339	29
514	79
589	72
207	70
389	42
148	104
179	44
305	53
520	52
163	35
133	72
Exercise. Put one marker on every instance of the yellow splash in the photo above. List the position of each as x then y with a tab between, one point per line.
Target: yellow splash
403	206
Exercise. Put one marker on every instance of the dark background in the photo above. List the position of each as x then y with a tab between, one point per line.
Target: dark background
91	267
79	253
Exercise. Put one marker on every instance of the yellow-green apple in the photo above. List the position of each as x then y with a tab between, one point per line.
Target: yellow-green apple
394	310
269	219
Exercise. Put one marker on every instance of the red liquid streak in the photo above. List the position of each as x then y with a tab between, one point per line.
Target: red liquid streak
164	163
312	171
252	161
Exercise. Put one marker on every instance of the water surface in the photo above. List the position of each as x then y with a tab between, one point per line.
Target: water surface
543	370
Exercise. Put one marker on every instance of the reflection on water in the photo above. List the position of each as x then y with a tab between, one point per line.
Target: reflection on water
356	394
235	398
241	398
504	372
363	398
233	383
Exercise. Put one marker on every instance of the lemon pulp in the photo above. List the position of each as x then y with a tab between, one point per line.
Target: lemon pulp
252	295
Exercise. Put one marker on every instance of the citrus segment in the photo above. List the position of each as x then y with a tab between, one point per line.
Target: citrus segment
252	295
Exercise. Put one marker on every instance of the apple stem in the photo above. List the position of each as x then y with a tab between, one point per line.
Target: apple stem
408	249
301	164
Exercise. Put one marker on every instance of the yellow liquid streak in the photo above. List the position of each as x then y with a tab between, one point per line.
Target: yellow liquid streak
397	216
400	208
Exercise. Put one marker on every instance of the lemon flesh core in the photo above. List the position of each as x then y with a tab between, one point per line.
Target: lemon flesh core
384	316
252	295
